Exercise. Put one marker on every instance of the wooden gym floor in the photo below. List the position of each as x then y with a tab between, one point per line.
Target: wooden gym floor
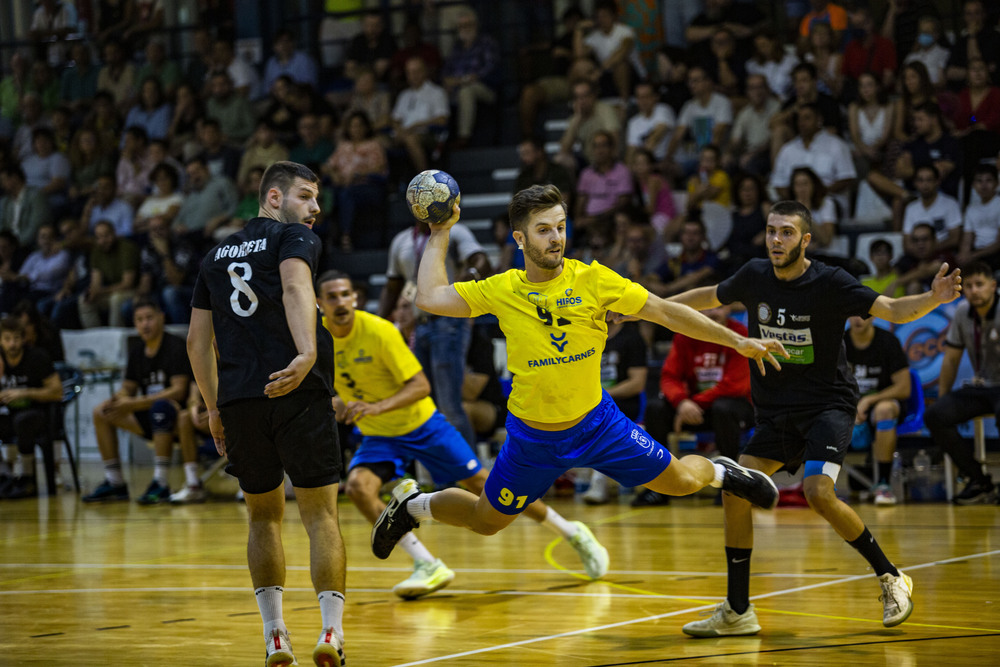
128	585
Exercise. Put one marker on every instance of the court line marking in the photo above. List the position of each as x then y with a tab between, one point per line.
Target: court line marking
364	568
702	607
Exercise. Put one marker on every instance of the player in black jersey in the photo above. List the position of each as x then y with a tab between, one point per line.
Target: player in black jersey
806	412
269	395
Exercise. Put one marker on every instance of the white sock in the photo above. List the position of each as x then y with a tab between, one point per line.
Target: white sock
558	525
191	474
161	469
269	602
113	472
27	463
414	548
720	472
19	466
598	483
331	607
420	507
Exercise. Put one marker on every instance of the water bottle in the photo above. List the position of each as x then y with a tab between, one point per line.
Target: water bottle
896	476
921	487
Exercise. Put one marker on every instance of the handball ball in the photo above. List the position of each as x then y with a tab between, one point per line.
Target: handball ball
431	195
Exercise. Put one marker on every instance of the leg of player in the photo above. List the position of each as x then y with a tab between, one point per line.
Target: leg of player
113	487
884	414
897	587
592	553
735	615
163	418
454	506
327	566
693	473
429	573
193	491
266	560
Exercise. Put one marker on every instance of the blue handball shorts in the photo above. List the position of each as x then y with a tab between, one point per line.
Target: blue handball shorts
605	440
435	443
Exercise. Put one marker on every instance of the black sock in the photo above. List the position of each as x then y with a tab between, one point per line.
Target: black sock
869	548
884	468
738	564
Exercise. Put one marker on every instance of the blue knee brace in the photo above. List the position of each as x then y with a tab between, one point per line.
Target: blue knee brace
831	470
885	425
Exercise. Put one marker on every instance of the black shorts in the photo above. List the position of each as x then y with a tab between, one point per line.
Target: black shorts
794	437
266	437
145	423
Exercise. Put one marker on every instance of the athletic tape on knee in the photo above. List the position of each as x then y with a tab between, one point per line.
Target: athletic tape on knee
831	470
885	425
163	416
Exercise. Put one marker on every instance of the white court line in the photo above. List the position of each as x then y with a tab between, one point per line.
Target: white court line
682	611
352	568
243	589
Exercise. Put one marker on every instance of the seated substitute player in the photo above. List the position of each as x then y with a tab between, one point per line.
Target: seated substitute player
263	364
553	314
157	375
883	376
808	414
382	388
28	382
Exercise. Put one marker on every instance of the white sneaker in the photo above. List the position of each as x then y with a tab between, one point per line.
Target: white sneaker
427	577
279	650
884	495
593	555
597	494
329	651
896	603
724	621
189	494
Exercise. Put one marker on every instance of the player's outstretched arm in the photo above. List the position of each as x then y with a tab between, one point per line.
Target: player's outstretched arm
434	293
201	352
685	320
699	298
945	288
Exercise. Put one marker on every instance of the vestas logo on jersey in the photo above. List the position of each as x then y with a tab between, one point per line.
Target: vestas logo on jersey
790	336
241	250
363	358
568	300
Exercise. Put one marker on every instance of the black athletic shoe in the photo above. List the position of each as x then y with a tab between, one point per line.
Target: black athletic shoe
649	498
749	484
21	487
977	492
394	521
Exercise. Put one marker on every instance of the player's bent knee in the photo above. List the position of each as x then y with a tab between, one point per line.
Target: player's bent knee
163	416
885	410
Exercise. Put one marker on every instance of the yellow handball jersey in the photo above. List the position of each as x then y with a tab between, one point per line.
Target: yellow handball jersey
372	363
556	333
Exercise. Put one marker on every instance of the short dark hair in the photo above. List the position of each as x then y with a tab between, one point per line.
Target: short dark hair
977	268
985	168
788	207
146	302
606	5
880	244
332	274
932	109
167	170
281	175
12	324
931	167
531	200
358	113
808	68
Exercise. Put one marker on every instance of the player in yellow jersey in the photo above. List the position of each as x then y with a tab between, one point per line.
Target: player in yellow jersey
382	388
554	316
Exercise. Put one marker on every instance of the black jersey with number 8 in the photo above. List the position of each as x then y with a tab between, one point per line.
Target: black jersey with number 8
240	282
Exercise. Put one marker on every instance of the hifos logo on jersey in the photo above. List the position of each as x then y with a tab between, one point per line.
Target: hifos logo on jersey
568	299
763	312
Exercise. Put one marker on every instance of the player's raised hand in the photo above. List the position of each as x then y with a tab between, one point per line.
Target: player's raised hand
947	286
456	213
762	350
